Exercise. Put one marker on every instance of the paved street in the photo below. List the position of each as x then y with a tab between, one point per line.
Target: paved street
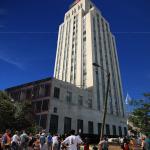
116	147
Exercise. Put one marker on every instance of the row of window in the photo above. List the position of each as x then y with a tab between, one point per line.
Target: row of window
66	51
101	56
84	68
96	61
31	93
73	11
41	120
40	106
59	51
119	81
39	91
112	74
74	50
69	98
106	56
107	51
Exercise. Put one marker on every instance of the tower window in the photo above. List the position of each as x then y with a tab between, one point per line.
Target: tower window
56	92
120	131
84	32
90	127
90	103
114	129
107	129
69	97
80	100
55	110
125	131
67	124
84	39
45	105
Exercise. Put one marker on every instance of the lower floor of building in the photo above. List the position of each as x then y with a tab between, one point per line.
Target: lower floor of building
55	123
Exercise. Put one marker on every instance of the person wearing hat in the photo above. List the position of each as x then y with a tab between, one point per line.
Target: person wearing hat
42	139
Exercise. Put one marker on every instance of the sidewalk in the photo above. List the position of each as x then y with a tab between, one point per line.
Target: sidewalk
111	147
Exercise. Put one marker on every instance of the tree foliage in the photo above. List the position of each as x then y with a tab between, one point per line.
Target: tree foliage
23	115
7	111
140	117
15	115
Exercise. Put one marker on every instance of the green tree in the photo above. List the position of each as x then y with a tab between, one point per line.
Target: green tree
15	115
23	115
140	117
7	111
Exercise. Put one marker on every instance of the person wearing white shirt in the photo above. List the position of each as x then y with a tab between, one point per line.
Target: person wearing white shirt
72	141
55	142
15	140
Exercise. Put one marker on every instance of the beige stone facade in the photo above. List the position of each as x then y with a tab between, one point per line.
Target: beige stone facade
85	38
60	106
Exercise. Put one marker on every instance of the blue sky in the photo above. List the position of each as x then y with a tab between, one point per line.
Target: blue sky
28	39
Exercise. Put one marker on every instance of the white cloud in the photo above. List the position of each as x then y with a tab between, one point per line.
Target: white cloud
12	62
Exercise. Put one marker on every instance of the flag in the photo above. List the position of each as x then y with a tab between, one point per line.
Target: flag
128	99
128	104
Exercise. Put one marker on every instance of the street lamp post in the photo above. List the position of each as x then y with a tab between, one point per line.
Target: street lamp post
106	99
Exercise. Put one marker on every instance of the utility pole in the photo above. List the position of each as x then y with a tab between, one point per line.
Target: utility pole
105	106
105	101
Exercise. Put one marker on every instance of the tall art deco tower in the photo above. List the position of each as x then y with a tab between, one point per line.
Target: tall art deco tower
85	38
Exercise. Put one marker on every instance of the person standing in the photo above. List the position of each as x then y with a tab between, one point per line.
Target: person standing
125	144
24	139
49	141
72	141
147	143
103	144
143	143
15	141
6	140
0	142
86	144
36	144
31	141
59	142
55	142
42	140
131	144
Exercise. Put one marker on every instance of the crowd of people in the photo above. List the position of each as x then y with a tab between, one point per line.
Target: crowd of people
41	141
46	141
146	143
132	143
